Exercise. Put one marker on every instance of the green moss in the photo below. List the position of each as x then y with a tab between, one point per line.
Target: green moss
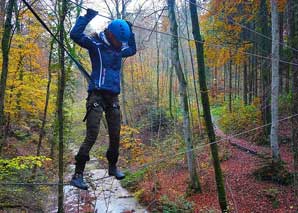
132	179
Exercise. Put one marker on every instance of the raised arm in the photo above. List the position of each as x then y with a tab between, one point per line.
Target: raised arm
130	49
77	32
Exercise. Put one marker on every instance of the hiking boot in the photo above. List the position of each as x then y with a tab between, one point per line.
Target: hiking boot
113	171
78	181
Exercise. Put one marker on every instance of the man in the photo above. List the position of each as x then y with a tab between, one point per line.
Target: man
106	50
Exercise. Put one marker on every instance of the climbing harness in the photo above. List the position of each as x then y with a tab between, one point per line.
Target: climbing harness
89	108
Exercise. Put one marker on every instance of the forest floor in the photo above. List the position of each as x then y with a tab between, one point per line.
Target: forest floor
244	192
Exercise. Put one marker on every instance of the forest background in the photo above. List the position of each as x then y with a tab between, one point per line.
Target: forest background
209	103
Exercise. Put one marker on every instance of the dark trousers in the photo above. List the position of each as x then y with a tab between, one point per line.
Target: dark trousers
97	103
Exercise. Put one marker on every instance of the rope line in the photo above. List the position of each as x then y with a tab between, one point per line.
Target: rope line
208	144
243	26
167	157
86	74
45	183
188	39
81	68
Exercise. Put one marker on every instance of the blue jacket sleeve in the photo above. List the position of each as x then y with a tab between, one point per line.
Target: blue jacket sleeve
131	48
77	33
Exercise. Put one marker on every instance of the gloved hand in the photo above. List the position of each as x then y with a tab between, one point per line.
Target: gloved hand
91	13
130	25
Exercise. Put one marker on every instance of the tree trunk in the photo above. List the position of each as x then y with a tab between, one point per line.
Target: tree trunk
265	71
251	81
245	84
206	107
184	59
256	75
44	118
134	97
230	83
225	76
2	12
6	37
123	90
61	88
194	81
275	83
157	69
171	91
238	81
193	72
281	40
287	81
293	22
194	180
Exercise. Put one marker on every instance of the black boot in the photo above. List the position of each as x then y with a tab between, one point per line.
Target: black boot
78	181
113	171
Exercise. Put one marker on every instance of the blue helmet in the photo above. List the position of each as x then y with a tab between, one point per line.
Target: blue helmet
120	30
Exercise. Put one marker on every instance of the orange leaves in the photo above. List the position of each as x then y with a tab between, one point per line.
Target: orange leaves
131	146
27	76
282	5
223	37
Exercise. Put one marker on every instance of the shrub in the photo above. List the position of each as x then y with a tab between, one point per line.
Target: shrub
241	119
132	179
158	118
285	102
132	148
15	168
180	205
276	173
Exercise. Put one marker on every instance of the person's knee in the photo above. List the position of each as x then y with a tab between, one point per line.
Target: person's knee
114	138
82	157
92	132
115	112
114	119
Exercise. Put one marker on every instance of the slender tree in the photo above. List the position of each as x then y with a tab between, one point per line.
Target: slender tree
230	82
275	83
282	66
293	21
194	180
2	12
206	107
193	69
264	48
6	38
61	88
245	84
171	71
45	111
157	69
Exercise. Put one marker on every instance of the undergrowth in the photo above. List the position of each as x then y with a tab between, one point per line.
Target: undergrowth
240	119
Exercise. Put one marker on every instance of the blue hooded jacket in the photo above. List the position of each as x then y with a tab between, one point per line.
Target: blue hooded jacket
106	61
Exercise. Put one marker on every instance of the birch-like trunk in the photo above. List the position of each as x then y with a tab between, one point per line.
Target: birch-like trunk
194	180
275	83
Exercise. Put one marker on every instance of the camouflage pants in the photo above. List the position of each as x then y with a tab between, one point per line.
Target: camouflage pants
97	103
